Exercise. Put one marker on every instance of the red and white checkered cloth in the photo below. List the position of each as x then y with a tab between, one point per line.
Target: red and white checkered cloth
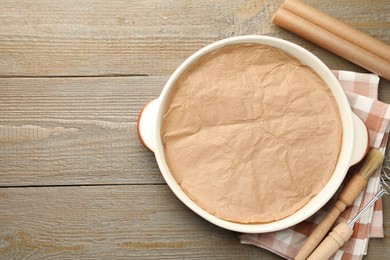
362	92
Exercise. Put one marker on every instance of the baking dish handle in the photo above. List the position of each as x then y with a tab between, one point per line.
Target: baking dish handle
147	123
361	140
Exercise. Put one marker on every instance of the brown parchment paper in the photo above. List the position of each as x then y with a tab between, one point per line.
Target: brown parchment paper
251	134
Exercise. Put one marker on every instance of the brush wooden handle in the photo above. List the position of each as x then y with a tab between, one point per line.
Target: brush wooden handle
340	234
352	190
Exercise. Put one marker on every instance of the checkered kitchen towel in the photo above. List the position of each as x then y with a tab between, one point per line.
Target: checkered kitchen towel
362	92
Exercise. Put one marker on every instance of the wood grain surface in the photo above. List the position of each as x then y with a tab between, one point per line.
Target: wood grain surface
75	182
95	37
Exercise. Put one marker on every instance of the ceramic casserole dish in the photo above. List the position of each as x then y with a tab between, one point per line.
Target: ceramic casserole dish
353	145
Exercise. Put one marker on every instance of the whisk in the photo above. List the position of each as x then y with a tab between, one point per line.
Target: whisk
343	231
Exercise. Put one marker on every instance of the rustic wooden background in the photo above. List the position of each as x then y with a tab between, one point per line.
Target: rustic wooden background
75	182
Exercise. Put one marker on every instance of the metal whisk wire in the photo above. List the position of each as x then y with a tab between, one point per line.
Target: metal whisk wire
385	179
385	189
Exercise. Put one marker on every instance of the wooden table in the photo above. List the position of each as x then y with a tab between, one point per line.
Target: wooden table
75	180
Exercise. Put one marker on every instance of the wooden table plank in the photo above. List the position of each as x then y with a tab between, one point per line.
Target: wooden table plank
68	38
124	221
67	131
100	100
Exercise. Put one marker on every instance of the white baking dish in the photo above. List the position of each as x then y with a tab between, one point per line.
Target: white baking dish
353	147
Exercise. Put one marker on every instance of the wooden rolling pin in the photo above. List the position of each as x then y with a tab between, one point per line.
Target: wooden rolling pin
302	20
346	198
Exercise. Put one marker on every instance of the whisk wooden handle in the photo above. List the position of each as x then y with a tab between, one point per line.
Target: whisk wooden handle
340	234
320	231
